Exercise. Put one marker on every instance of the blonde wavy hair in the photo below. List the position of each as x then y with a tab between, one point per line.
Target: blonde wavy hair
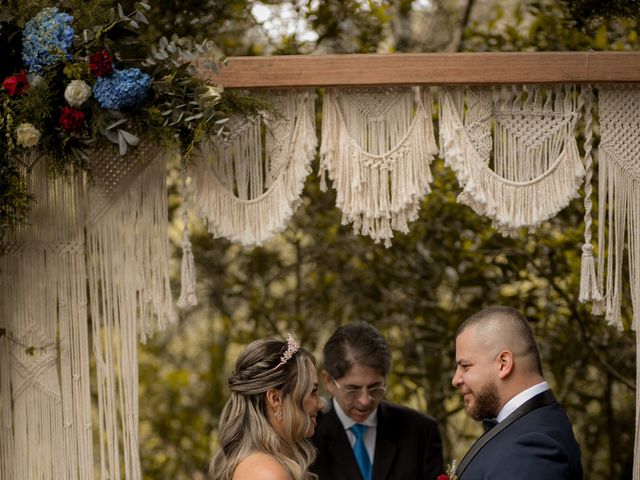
243	427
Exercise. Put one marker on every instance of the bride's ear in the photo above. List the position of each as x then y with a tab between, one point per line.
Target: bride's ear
274	399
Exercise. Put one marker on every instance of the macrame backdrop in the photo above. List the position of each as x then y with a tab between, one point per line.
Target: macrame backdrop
377	146
98	249
44	355
127	258
248	184
531	169
619	213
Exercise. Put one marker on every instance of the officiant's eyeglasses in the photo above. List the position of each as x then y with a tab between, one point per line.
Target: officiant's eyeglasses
353	393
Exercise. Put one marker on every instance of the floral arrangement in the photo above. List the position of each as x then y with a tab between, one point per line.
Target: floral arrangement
70	86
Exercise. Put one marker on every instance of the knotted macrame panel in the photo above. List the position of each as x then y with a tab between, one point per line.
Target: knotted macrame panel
619	212
377	147
130	296
619	184
45	403
247	184
513	150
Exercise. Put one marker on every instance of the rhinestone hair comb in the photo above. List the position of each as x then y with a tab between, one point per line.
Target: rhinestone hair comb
292	348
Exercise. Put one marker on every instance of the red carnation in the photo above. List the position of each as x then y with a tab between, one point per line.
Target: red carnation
71	119
100	63
16	85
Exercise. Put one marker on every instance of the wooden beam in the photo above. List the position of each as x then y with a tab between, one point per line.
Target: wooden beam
426	69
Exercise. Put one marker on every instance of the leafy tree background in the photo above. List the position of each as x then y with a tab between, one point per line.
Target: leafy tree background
317	275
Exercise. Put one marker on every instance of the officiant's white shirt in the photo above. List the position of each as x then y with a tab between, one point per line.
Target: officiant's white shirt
369	435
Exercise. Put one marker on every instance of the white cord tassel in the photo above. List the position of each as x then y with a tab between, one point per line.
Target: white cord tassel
188	278
589	291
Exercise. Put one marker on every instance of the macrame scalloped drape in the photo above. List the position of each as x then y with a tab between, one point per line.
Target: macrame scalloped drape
536	168
377	146
45	403
248	185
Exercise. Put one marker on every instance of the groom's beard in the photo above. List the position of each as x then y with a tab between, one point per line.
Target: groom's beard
487	403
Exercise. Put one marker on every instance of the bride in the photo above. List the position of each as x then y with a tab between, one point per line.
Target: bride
265	425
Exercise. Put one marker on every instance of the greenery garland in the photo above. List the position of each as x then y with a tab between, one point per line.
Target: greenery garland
73	84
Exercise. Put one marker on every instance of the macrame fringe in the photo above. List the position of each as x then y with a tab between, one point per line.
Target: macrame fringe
188	269
377	154
247	188
127	258
44	354
619	195
515	196
619	187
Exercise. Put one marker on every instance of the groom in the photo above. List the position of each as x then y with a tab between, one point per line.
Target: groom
499	375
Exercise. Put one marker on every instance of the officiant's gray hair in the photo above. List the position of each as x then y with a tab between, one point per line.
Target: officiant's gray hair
357	343
506	328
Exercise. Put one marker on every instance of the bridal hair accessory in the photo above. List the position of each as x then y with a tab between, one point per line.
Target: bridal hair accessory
292	348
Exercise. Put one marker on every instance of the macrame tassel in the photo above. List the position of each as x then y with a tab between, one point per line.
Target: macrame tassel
589	291
188	279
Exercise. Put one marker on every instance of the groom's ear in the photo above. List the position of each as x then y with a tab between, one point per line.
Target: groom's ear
505	363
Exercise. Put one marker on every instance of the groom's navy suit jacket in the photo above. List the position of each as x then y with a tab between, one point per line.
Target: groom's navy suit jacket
408	447
537	444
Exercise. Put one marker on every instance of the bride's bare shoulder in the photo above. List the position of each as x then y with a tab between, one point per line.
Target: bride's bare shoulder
260	466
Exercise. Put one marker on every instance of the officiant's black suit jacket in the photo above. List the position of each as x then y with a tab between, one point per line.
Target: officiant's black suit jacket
408	447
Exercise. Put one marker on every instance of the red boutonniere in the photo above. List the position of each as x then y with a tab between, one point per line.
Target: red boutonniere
451	472
17	84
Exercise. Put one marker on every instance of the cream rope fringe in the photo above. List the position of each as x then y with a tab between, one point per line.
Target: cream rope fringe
127	258
619	190
267	174
45	401
377	156
538	166
589	288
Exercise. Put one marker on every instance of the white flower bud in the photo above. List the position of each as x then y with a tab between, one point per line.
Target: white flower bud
77	92
212	95
27	135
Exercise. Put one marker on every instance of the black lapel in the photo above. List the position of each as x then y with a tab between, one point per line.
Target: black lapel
339	446
542	399
386	447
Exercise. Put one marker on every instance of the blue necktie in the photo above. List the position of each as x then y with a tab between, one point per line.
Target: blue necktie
360	451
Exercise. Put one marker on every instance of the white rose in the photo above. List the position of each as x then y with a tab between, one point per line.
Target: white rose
27	135
77	92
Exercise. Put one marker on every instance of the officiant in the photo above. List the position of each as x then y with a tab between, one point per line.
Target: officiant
361	436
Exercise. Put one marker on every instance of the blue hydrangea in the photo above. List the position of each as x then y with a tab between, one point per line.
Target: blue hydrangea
46	39
122	89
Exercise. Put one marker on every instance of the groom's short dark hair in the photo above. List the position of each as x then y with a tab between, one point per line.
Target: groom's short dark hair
356	344
516	321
